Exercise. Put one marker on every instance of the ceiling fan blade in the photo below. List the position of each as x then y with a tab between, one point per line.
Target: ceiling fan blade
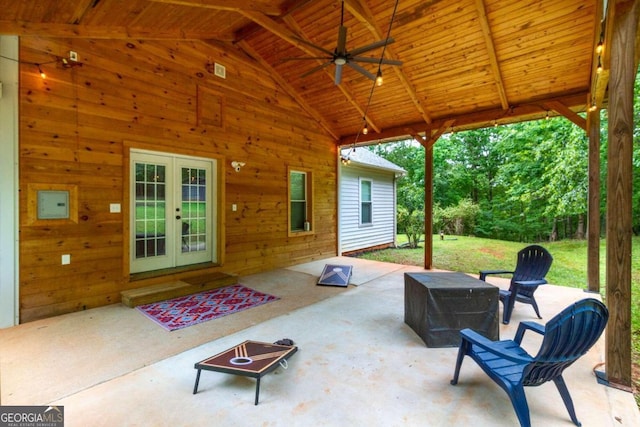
375	60
364	59
319	58
342	41
363	49
314	69
321	49
361	70
338	77
391	61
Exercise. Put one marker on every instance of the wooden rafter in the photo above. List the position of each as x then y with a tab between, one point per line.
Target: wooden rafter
431	135
265	7
567	112
287	87
81	9
361	11
288	8
104	32
491	50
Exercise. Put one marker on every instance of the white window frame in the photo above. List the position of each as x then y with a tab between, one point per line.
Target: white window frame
361	202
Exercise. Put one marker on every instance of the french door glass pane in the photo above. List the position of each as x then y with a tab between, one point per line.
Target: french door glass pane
150	206
194	212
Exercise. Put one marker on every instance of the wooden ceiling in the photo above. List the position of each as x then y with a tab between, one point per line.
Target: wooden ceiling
466	63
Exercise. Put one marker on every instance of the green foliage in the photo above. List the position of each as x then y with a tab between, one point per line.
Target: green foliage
410	156
411	224
459	219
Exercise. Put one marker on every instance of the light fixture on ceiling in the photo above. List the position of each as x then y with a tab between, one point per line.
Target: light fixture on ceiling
599	69
365	129
379	78
42	74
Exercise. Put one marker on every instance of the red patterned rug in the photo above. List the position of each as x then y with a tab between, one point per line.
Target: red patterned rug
190	310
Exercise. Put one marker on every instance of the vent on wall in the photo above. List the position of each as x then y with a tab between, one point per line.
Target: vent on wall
220	71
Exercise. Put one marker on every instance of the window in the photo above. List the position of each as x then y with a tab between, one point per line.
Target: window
366	208
300	206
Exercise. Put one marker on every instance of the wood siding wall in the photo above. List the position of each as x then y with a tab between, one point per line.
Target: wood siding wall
77	125
382	231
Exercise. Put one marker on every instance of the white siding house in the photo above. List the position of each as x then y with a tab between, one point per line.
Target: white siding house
367	209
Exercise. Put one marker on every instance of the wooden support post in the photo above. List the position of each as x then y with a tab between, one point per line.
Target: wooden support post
623	16
593	208
430	138
428	205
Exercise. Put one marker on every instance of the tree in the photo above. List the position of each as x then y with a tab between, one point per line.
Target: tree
528	180
412	224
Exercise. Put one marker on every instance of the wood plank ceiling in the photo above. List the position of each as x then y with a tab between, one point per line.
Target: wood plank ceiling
466	63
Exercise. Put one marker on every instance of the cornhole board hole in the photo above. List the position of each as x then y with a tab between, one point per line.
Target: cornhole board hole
335	275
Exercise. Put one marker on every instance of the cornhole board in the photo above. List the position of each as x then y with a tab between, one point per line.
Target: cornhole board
252	359
335	275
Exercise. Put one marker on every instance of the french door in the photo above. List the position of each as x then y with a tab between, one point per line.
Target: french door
173	208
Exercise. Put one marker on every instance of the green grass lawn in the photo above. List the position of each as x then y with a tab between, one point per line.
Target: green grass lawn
569	268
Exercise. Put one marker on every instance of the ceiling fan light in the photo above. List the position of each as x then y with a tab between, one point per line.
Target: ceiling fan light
340	61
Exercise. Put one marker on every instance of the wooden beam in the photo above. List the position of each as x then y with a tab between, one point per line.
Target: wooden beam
428	142
288	7
70	31
563	110
622	18
599	79
287	87
479	119
491	51
428	206
80	10
261	6
593	203
363	13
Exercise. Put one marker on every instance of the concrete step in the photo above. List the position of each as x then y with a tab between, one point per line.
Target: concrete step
178	288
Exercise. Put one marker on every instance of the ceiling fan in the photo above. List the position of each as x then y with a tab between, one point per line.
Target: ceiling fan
341	56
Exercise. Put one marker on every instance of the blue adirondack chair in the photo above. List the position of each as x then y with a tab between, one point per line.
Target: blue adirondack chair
567	337
533	265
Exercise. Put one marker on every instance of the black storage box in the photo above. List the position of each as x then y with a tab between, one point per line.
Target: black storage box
438	305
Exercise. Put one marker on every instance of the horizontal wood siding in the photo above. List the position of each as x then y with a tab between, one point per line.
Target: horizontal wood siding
77	126
354	236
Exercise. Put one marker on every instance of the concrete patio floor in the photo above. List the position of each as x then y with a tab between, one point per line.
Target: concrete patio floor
358	363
